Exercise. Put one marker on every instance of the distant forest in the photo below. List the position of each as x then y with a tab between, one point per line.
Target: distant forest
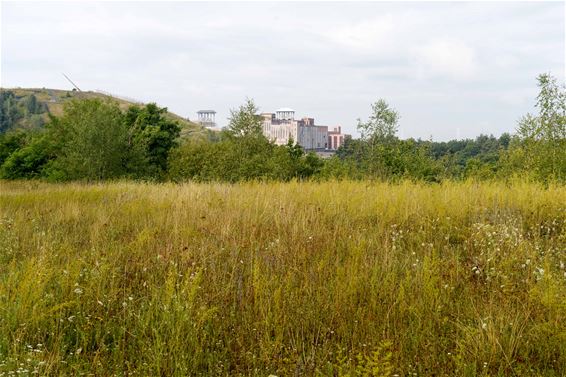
96	139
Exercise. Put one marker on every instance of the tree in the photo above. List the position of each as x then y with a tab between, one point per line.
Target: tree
379	146
543	136
93	141
245	121
382	124
9	110
29	161
290	161
151	136
11	142
32	105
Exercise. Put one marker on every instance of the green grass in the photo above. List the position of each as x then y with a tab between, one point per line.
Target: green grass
349	278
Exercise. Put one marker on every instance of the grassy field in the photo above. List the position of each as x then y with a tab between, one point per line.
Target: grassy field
351	278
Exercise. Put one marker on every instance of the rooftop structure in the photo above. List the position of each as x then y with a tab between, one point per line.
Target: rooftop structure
285	113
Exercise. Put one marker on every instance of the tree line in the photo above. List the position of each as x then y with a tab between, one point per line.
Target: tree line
95	140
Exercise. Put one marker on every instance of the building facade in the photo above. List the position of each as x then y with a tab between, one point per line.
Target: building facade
282	126
336	138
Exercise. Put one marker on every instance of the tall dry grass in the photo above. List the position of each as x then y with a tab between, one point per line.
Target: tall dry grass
349	278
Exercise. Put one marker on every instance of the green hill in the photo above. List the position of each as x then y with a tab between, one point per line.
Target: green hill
28	108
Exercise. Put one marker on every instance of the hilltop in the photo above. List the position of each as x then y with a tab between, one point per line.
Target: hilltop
33	113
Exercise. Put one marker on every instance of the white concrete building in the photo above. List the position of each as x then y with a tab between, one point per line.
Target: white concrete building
282	126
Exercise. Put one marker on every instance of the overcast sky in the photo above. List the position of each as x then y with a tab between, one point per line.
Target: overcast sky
450	69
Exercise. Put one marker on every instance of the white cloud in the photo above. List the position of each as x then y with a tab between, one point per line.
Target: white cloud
449	58
365	36
441	64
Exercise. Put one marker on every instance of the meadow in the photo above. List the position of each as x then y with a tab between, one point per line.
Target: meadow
286	279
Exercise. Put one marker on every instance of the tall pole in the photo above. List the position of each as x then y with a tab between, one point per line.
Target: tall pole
72	83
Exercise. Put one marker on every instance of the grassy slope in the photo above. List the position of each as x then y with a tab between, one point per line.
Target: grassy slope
55	99
290	279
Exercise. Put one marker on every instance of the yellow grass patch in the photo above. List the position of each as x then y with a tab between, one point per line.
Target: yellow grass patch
337	278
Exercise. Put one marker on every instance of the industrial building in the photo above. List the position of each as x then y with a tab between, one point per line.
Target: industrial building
282	126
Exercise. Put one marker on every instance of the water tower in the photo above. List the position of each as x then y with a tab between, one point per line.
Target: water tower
207	118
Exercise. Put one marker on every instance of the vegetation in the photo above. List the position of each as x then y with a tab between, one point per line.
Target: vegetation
538	150
27	111
30	109
242	153
543	137
94	139
393	257
333	278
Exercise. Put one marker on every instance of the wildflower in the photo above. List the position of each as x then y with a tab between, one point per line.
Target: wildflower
78	291
539	273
